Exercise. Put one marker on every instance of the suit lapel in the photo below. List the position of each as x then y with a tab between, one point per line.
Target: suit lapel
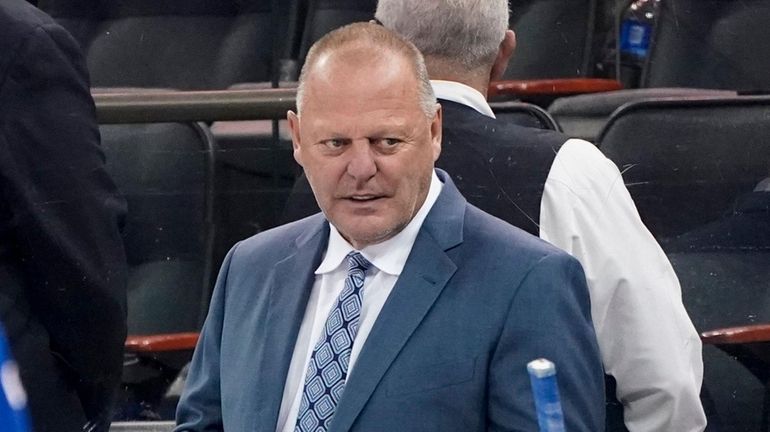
426	273
289	292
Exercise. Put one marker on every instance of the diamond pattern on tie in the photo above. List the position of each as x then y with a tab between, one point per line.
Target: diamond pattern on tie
328	366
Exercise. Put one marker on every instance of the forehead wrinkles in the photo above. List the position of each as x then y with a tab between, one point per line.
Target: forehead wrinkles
375	123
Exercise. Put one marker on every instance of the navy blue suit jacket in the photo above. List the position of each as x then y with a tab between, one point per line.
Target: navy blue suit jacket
476	301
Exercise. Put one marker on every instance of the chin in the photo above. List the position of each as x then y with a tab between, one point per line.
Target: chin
368	229
368	235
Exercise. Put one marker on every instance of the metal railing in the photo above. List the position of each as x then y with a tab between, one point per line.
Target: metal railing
154	426
190	106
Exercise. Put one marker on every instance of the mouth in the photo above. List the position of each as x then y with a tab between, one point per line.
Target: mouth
363	198
363	204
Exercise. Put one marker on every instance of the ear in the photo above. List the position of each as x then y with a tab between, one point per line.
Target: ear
295	135
504	54
435	132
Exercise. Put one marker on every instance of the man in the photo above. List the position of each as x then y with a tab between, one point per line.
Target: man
62	264
647	341
409	310
567	192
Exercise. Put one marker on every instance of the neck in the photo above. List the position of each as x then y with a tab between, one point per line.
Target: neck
447	70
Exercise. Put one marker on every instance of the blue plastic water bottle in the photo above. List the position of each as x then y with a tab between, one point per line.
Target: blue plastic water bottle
13	399
542	377
636	30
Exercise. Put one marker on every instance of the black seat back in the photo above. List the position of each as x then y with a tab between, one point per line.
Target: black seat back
690	166
324	16
554	38
524	114
720	44
685	161
165	171
184	44
701	47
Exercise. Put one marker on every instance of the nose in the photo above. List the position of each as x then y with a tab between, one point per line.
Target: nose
361	165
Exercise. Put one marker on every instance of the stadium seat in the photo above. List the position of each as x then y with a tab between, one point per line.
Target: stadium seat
680	155
584	116
555	51
166	173
714	44
524	114
324	16
688	165
183	44
554	39
725	287
702	46
724	267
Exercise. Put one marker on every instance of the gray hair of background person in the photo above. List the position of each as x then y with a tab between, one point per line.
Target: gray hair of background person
364	35
468	32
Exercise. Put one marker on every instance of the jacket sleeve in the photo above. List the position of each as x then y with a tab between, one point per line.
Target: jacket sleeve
647	340
63	211
200	406
555	297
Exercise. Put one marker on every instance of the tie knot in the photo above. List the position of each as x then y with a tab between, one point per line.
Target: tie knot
356	261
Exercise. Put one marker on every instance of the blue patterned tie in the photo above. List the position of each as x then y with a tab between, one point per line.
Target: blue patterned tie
328	366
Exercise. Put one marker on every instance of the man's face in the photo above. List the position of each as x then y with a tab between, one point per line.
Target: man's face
366	146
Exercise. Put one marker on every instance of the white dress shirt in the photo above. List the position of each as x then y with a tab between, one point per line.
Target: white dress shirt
646	338
388	259
462	94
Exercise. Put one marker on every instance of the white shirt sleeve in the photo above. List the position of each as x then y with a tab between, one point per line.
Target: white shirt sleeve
647	341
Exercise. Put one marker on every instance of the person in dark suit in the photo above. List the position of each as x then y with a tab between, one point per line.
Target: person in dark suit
62	263
567	192
401	307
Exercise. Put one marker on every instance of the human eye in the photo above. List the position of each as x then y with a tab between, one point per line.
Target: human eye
390	142
387	143
334	143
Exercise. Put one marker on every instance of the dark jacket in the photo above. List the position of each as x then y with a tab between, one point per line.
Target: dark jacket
62	263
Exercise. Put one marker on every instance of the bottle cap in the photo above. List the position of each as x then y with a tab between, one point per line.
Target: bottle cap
541	368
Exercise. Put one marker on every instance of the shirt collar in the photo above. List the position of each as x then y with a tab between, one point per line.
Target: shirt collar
462	94
390	255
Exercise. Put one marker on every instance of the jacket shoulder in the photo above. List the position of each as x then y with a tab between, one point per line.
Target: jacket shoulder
20	23
18	19
506	241
276	243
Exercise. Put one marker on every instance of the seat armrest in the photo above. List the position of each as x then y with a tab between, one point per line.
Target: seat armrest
527	89
161	342
750	345
737	335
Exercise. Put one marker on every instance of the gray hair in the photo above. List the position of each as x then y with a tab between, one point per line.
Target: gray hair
467	32
367	35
